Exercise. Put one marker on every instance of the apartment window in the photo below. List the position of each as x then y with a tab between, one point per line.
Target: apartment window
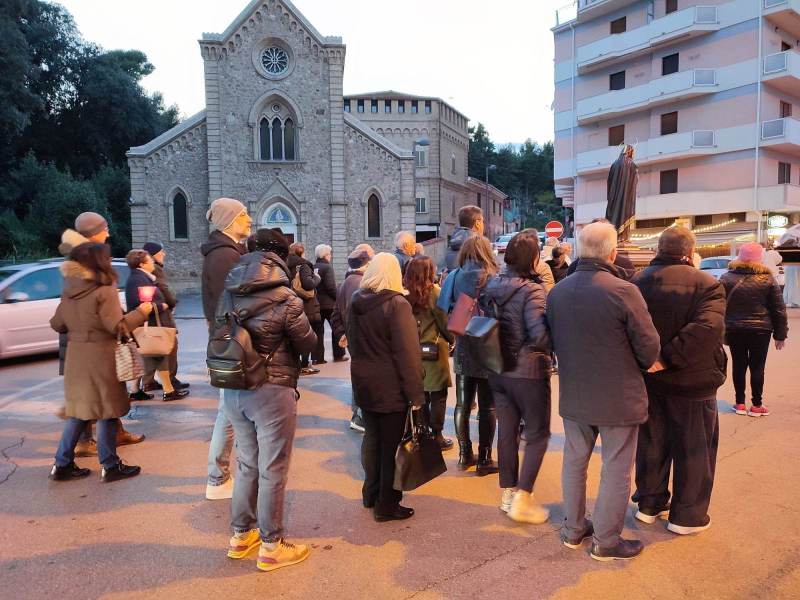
784	173
669	123
387	106
373	106
786	109
414	107
785	46
422	205
616	81
360	106
421	158
702	220
669	64
347	106
427	107
401	106
616	135
669	182
672	6
619	25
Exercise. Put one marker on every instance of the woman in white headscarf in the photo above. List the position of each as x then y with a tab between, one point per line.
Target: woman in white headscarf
386	374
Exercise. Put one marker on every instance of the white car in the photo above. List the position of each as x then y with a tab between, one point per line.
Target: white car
716	266
501	242
29	295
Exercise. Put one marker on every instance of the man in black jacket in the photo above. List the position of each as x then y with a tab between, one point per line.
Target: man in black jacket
222	250
604	339
326	294
682	431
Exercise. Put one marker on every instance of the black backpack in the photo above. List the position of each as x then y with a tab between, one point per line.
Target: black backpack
232	361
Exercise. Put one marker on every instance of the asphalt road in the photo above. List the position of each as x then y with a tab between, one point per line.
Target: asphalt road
156	536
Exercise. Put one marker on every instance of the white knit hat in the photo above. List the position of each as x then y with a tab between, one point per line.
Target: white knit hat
223	212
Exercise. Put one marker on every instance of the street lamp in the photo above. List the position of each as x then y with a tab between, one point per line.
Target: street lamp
488	196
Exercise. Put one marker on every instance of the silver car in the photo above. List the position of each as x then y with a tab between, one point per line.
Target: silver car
29	295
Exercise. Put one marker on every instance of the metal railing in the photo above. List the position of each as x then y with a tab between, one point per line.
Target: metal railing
703	138
775	63
773	129
566	13
773	3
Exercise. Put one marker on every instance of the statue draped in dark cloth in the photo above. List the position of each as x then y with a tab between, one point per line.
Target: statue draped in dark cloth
623	178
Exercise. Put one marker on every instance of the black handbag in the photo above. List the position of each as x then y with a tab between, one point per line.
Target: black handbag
418	458
430	350
482	339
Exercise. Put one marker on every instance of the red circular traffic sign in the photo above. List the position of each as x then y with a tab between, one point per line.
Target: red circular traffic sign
554	229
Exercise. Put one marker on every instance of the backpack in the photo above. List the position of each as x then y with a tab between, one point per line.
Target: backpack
232	361
297	286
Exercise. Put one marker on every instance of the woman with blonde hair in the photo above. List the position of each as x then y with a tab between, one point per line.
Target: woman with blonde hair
386	374
476	266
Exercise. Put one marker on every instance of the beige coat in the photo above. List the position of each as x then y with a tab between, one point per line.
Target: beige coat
90	313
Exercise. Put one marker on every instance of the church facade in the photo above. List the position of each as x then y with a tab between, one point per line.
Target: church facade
275	134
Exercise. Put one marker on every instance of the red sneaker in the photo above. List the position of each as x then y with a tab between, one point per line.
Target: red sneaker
740	409
758	411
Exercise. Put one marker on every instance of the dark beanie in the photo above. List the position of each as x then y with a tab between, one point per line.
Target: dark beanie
358	259
152	248
269	240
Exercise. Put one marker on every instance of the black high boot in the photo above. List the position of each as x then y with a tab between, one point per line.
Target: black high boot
465	391
487	423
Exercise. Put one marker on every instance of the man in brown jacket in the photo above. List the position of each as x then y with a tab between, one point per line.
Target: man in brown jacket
604	339
220	253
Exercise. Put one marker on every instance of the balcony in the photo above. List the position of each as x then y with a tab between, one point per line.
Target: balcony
678	86
683	24
782	71
701	142
782	135
784	14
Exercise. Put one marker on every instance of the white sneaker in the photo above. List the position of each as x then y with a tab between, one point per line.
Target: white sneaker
683	530
525	510
220	492
505	499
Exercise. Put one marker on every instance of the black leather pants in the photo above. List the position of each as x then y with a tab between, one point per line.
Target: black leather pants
466	388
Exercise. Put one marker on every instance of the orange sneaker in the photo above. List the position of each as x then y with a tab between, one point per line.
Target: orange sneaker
241	544
279	554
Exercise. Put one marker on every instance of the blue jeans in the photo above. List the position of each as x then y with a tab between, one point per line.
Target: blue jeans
106	441
219	450
264	423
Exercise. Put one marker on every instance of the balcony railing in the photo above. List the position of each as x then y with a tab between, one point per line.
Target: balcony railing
775	63
776	128
705	77
703	138
773	3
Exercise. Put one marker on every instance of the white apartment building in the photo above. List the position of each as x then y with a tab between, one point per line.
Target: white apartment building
705	90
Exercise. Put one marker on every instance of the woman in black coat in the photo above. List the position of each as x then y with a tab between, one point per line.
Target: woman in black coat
142	266
309	281
522	391
387	378
755	312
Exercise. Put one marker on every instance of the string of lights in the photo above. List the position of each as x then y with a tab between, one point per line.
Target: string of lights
704	229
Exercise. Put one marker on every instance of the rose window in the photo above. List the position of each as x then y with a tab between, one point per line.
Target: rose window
275	60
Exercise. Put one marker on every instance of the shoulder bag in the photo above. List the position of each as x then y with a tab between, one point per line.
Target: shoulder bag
418	459
482	340
126	356
155	341
297	286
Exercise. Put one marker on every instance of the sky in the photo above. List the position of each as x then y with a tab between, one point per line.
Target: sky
493	61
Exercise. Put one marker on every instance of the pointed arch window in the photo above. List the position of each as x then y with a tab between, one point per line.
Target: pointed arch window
178	205
373	217
277	134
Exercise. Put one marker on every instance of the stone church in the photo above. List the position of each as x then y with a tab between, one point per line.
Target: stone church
278	135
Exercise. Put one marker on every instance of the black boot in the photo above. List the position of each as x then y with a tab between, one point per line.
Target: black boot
465	392
486	466
466	458
71	471
119	471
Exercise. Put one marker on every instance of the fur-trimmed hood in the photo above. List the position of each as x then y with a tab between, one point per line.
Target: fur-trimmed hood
78	280
740	266
70	239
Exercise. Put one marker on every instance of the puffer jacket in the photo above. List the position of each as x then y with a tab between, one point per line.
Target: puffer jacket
755	302
259	289
524	335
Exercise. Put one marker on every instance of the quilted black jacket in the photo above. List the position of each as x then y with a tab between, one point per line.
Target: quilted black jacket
755	302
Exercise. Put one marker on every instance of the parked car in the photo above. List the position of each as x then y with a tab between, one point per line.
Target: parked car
716	265
502	241
29	295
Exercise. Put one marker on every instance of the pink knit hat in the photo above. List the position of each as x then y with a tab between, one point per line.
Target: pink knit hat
751	252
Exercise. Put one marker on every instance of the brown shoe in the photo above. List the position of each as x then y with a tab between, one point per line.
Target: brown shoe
125	438
86	448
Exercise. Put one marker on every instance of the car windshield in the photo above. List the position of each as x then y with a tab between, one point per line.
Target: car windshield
504	238
714	263
6	273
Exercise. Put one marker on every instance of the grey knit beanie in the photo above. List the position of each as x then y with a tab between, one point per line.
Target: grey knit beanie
223	212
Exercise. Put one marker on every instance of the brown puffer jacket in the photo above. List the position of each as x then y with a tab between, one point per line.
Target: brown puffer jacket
258	288
755	302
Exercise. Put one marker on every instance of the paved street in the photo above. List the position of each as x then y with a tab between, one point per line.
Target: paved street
155	536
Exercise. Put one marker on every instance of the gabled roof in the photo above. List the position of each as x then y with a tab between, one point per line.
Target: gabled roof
168	136
381	141
248	12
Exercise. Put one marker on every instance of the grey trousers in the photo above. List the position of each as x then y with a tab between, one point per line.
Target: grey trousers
264	424
618	453
219	449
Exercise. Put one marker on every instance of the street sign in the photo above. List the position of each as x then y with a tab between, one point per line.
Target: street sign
554	229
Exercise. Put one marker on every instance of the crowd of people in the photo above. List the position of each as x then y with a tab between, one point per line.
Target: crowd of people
639	356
